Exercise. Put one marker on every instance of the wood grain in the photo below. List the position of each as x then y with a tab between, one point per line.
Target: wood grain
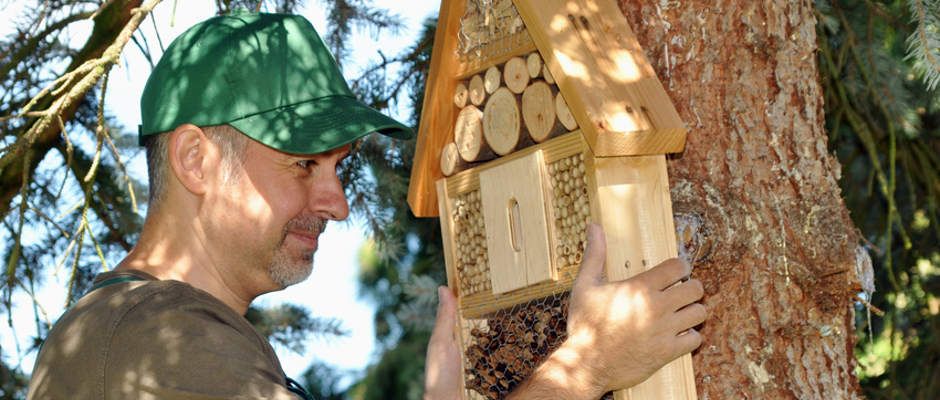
636	213
516	225
612	90
436	127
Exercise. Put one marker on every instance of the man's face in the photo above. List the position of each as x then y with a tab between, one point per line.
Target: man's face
274	211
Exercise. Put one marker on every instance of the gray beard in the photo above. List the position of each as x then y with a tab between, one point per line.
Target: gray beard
285	269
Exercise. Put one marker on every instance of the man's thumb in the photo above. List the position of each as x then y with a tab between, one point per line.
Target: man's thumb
446	309
595	254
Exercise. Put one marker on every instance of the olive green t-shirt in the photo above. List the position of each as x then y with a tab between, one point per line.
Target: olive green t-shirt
155	339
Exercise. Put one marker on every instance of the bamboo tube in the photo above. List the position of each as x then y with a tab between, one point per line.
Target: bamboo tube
468	136
491	80
516	74
460	95
534	64
501	122
564	113
477	92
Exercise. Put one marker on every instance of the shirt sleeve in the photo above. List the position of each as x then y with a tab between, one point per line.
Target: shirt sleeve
182	347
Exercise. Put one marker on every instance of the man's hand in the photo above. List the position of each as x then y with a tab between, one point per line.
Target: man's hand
442	371
628	330
619	333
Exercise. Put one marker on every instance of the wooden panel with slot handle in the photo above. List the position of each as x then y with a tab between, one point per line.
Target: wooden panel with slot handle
516	225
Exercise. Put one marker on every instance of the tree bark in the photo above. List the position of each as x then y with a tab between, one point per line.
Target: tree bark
756	196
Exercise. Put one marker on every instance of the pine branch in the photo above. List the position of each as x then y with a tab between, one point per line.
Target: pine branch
924	44
113	27
28	44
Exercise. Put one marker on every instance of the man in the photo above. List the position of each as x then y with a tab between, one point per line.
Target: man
245	120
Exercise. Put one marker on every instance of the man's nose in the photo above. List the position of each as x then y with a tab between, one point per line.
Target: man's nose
328	198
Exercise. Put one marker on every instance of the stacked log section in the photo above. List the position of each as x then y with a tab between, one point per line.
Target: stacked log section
572	209
533	63
477	90
469	136
547	75
451	163
492	79
521	106
516	74
473	271
513	343
461	94
564	113
502	125
538	111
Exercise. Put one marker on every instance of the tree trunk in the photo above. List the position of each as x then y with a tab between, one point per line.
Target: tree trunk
756	196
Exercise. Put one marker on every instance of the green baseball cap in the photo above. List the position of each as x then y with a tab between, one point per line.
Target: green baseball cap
268	75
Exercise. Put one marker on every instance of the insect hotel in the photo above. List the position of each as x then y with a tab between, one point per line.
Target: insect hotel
540	116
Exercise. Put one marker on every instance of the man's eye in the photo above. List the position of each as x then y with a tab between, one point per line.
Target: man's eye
304	164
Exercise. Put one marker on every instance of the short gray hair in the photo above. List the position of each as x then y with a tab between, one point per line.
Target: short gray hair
231	142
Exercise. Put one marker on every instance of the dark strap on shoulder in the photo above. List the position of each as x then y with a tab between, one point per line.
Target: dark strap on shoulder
116	279
295	388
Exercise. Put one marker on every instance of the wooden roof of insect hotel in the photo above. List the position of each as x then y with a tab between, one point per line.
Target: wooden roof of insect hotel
590	53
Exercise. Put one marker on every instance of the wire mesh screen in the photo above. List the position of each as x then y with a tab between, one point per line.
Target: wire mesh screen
504	349
501	351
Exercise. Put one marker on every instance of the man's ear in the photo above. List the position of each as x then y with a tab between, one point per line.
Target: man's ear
191	156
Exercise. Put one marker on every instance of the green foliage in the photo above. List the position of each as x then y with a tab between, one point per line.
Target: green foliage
883	118
924	43
324	382
289	324
399	374
12	383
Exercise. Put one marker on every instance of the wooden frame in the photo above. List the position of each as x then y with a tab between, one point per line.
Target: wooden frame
625	125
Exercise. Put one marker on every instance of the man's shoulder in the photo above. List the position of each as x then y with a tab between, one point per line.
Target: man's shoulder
165	331
147	307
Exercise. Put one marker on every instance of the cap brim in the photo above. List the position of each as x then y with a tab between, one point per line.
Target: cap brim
319	125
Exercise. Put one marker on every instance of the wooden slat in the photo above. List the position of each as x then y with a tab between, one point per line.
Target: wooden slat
636	213
604	75
436	127
554	149
447	236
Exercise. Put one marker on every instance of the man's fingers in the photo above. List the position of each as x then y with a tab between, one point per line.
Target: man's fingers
689	317
595	253
687	341
667	273
684	293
